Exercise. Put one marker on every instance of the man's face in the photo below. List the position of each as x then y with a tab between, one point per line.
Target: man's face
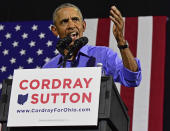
69	22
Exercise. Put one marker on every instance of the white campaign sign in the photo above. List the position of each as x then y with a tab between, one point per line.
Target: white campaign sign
55	97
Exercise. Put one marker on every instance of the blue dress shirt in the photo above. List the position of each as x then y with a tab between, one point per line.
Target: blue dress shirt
89	56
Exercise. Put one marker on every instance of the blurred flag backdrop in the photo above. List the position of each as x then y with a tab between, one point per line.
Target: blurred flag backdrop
26	45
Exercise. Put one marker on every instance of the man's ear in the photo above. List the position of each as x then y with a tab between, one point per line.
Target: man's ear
84	25
54	30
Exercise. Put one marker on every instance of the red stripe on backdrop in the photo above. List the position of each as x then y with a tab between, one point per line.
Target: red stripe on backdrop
103	32
157	74
131	35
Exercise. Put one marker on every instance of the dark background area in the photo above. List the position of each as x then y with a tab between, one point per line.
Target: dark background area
27	10
12	10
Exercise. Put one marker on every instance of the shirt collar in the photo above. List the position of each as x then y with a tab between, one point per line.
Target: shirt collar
84	50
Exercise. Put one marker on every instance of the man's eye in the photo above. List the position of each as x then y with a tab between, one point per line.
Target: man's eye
75	19
64	21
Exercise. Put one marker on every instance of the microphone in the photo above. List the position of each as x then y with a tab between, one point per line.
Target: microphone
63	44
78	44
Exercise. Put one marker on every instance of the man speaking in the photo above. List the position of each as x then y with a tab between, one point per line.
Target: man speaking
69	26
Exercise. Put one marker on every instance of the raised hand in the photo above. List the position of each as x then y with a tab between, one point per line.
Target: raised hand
118	25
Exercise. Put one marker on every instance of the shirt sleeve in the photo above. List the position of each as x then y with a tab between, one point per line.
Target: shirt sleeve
114	66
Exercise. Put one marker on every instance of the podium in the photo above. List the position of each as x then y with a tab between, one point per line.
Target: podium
112	115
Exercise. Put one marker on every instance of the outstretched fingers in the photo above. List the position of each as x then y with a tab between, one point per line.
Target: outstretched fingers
116	16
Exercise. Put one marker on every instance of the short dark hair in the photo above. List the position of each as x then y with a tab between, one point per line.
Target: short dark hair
65	5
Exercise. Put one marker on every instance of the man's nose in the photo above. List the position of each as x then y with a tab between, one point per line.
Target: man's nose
71	24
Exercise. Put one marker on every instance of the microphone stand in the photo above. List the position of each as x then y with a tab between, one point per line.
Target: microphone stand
78	44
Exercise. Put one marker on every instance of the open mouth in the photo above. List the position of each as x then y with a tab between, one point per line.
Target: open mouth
73	35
